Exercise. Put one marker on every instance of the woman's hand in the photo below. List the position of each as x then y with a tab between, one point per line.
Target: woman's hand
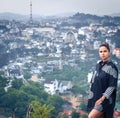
99	101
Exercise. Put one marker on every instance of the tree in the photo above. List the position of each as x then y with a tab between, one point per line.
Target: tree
27	75
62	116
36	91
40	111
17	83
75	114
17	99
118	94
3	81
56	101
84	116
83	106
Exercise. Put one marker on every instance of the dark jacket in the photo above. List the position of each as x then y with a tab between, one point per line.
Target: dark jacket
106	76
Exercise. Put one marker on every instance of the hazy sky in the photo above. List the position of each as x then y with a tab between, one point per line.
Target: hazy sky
52	7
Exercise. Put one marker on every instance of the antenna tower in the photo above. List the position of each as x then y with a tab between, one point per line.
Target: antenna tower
31	20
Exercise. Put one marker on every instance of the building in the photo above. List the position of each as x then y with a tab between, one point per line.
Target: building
53	86
116	52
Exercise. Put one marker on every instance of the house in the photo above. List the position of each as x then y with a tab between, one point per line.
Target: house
51	85
14	72
64	86
35	78
116	52
67	110
96	44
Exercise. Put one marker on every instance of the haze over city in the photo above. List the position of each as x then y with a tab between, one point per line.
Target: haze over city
54	7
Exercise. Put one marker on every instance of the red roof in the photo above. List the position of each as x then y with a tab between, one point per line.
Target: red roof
117	49
67	112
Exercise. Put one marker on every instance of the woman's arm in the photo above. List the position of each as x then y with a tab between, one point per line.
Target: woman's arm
108	92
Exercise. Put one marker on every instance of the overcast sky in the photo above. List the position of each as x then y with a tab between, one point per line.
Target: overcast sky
52	7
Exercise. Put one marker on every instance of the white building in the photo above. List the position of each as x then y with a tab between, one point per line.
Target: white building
96	44
52	86
64	86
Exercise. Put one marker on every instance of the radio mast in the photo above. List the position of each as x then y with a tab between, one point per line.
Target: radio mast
31	20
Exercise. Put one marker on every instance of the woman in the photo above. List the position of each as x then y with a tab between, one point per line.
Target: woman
103	86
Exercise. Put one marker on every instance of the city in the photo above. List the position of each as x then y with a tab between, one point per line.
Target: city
43	50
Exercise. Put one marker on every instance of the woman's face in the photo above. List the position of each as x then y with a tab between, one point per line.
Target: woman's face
104	53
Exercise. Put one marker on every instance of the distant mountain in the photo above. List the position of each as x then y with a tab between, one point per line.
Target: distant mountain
12	16
115	14
65	14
